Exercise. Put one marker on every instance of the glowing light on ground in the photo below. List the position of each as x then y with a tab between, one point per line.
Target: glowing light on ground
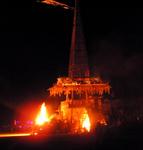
14	134
42	116
86	123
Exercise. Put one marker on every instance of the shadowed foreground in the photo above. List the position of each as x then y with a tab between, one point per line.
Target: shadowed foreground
123	138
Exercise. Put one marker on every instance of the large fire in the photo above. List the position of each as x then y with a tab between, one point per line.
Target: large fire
86	122
42	116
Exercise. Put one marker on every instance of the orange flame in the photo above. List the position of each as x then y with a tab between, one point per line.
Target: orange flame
42	116
55	3
86	122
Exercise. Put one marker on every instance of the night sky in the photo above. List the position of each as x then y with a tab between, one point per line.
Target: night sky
35	42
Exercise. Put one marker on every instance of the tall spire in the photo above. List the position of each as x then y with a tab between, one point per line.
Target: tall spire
78	65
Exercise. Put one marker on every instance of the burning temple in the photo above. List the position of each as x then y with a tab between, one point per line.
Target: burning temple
83	104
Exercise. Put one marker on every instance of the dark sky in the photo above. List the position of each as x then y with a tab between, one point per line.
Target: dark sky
35	41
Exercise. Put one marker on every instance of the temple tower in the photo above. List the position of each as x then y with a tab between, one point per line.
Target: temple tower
78	63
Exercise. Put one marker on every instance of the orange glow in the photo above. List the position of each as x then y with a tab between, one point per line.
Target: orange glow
86	123
42	116
55	3
103	122
14	134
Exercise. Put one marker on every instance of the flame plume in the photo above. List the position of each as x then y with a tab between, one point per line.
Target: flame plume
42	116
86	123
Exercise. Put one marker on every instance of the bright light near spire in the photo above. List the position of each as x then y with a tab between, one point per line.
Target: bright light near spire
55	3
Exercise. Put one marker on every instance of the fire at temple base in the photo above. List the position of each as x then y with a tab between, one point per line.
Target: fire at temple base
82	108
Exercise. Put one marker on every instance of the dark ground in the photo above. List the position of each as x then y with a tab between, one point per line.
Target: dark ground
121	138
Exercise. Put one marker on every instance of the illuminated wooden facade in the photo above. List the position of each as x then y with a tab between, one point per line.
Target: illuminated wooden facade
80	90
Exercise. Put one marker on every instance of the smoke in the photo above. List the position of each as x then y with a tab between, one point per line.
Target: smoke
118	65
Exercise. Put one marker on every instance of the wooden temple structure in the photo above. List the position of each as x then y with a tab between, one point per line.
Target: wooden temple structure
83	93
